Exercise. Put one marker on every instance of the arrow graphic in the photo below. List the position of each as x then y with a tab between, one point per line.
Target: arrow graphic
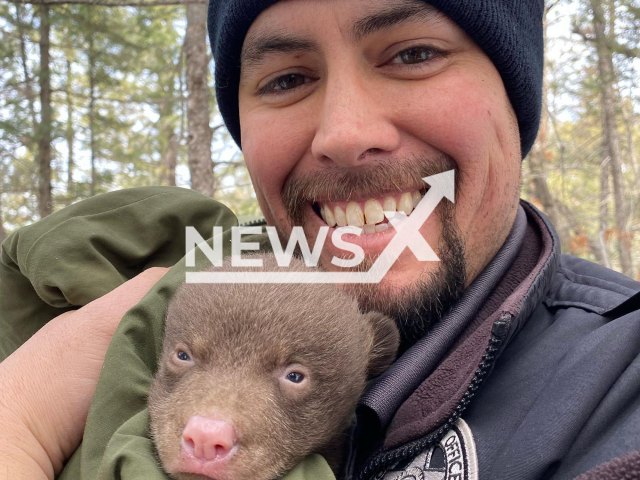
407	236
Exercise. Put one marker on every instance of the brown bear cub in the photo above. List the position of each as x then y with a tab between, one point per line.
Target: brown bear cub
254	377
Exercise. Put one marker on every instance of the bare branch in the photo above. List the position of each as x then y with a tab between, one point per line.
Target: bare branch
587	36
551	5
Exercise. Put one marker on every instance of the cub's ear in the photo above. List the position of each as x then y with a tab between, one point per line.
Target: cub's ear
386	340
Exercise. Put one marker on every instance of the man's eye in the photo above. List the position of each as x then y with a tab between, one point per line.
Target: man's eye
416	55
284	84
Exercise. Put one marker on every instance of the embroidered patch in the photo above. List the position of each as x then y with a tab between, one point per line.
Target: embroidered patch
454	458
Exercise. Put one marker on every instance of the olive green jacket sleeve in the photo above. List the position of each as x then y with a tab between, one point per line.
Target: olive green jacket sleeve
84	251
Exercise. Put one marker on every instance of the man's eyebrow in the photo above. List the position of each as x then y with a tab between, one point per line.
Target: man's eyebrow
256	49
392	16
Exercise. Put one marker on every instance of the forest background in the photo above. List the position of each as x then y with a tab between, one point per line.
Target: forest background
100	95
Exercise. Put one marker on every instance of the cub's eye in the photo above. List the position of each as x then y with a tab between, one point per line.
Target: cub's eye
295	377
183	356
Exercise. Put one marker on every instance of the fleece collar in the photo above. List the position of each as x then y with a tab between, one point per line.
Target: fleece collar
423	388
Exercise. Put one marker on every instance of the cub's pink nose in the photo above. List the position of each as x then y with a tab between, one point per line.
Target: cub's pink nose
207	438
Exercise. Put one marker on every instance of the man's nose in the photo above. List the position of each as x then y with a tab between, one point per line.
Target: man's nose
353	124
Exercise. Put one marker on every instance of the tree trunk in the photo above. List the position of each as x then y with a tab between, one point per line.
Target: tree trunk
25	70
537	159
627	117
169	160
611	5
200	163
607	79
3	232
92	114
604	208
44	137
181	80
70	134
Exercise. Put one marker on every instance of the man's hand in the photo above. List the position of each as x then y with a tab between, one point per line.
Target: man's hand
48	383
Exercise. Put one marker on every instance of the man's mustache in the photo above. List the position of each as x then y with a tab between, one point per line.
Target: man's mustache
339	184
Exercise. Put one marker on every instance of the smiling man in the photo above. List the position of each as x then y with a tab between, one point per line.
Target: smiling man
517	362
341	120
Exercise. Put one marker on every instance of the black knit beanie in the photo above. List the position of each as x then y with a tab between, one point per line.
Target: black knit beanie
509	31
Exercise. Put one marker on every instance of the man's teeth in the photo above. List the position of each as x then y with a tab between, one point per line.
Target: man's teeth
372	219
416	198
406	203
381	227
341	217
328	215
355	216
373	212
389	204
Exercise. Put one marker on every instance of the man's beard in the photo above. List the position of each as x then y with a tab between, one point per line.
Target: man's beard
416	307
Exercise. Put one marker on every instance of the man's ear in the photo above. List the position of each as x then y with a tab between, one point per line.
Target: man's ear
386	340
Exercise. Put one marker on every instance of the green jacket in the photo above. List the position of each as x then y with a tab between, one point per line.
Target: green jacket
84	251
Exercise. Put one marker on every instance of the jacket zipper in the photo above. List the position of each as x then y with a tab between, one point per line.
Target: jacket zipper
260	222
411	450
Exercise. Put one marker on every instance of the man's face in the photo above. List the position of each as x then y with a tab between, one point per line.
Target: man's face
344	103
